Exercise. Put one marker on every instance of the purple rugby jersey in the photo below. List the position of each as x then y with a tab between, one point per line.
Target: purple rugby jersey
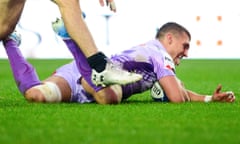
149	59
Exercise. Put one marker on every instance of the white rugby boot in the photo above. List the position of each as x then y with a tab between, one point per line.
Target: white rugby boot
15	36
114	74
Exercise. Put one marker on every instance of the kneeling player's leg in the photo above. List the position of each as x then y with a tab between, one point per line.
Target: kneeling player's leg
104	72
24	73
54	89
102	95
80	59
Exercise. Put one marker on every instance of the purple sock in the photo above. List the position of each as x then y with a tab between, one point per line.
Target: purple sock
81	61
24	73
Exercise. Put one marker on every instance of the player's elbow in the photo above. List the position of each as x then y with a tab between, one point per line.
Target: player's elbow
178	99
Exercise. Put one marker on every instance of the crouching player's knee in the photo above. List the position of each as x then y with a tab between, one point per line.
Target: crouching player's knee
46	92
109	95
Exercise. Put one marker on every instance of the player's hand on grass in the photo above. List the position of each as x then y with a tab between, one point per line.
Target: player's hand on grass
223	96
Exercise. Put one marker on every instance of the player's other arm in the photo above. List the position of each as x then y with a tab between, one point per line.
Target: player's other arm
217	96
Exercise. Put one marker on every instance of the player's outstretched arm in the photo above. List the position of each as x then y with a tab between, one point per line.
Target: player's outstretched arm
217	96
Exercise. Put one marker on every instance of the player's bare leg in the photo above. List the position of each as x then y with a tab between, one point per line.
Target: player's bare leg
76	26
9	16
71	13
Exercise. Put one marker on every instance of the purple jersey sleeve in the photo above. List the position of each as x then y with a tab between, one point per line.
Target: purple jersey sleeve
149	59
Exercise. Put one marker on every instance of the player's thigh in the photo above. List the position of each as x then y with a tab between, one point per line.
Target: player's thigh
10	14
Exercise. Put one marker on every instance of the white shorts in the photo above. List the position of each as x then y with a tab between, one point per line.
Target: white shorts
71	74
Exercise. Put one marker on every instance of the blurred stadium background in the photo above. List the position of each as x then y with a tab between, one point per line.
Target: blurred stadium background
214	26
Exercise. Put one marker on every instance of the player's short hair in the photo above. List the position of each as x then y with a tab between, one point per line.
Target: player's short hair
172	27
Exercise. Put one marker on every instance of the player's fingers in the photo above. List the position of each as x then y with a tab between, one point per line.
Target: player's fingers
101	2
230	99
233	99
219	87
112	6
230	95
109	1
227	96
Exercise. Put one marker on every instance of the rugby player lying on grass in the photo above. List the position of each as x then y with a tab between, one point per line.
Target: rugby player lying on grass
154	60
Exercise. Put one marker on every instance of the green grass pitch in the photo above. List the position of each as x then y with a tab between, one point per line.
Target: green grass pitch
136	121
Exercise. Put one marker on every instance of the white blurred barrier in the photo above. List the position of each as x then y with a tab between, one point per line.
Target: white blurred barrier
214	26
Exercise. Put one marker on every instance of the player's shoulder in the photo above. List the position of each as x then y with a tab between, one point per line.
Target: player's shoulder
166	59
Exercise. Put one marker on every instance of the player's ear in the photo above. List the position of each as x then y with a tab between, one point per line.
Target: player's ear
169	38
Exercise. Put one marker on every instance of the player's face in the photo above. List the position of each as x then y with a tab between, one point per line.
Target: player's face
177	45
182	47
